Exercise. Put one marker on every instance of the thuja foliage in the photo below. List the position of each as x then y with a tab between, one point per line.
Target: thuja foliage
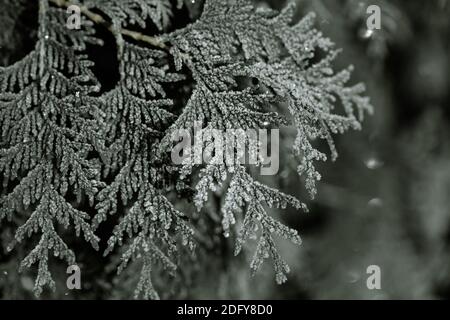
74	156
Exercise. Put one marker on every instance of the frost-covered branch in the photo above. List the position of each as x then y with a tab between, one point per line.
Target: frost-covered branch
100	20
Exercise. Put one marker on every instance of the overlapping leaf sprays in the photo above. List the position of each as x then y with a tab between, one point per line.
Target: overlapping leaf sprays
64	145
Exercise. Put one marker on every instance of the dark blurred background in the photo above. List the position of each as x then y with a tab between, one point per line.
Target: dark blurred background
384	202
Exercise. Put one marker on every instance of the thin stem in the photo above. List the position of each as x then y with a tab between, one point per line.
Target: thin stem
43	7
98	19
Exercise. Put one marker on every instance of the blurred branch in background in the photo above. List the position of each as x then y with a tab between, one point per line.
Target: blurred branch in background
386	203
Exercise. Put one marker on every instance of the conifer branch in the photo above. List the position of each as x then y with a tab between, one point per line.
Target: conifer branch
98	19
67	151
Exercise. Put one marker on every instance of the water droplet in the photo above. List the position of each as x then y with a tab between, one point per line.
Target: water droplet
373	163
376	203
368	33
